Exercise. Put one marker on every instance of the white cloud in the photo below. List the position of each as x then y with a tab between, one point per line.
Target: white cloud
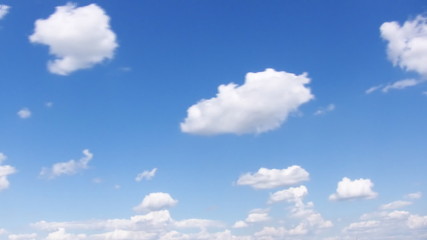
402	84
373	89
257	215
416	195
292	194
321	111
156	201
240	224
5	171
148	175
68	168
261	104
407	44
271	178
4	9
79	37
348	189
395	205
2	231
61	234
49	104
416	221
27	236
24	113
362	225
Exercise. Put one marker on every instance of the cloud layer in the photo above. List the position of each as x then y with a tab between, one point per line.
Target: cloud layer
79	37
261	104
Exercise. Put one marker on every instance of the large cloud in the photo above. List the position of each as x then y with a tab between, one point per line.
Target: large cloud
156	201
4	9
352	189
407	44
79	37
68	168
271	178
261	104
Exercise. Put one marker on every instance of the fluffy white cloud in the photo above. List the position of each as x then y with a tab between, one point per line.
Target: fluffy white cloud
4	9
407	44
271	178
148	175
395	205
321	111
24	113
61	234
5	171
156	201
292	194
79	37
351	189
415	195
240	224
261	104
68	168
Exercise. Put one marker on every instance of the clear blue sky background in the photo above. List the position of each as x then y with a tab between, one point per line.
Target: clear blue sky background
172	54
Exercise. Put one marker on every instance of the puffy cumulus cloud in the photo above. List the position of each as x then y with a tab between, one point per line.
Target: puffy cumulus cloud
407	44
292	194
24	113
4	9
26	236
271	178
240	224
416	195
261	104
352	189
68	168
395	205
156	201
322	111
148	175
79	37
5	171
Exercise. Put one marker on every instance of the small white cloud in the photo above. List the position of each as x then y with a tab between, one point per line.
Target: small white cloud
402	84
257	215
270	178
68	168
24	113
97	180
407	44
357	226
321	111
240	224
359	188
79	37
416	195
4	9
373	89
5	171
156	201
292	194
261	104
2	231
49	104
148	175
117	186
395	205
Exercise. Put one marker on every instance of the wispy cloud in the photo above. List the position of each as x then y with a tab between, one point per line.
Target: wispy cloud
4	10
68	168
322	111
24	113
148	175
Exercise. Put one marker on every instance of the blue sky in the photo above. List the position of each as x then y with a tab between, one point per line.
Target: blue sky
247	120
